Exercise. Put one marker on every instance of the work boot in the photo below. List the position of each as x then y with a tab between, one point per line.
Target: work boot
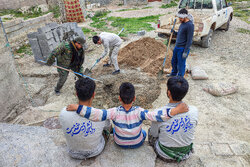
116	72
106	65
57	92
170	75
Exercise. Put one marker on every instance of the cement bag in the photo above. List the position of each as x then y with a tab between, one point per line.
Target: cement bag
221	89
198	74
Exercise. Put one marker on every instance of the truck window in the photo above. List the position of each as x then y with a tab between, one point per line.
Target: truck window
224	4
207	4
196	4
218	4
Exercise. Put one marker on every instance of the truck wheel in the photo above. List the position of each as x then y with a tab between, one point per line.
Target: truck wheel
162	35
228	23
206	40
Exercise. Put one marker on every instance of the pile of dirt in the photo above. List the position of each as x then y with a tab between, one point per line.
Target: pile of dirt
146	53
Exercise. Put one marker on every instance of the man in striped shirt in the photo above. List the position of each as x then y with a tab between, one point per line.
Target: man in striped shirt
127	119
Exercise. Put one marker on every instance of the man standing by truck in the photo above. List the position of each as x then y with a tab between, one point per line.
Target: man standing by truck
183	43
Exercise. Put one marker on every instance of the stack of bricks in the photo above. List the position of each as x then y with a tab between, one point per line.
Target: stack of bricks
50	36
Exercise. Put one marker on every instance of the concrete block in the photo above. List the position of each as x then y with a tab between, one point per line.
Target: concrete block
44	29
51	41
56	35
221	149
203	149
32	35
36	50
240	148
52	25
49	35
44	48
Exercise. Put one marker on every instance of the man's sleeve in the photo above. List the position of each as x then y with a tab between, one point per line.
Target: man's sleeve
57	51
190	34
95	114
158	115
106	48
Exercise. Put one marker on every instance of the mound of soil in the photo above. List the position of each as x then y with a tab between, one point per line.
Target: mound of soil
147	54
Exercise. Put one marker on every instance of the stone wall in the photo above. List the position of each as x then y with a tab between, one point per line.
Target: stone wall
50	36
16	4
12	94
116	2
18	29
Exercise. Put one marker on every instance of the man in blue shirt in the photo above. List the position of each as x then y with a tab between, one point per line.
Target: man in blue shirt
183	43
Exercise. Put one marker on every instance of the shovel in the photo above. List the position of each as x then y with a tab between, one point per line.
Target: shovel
89	71
160	73
76	73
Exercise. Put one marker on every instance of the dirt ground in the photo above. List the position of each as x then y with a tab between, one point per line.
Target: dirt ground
223	128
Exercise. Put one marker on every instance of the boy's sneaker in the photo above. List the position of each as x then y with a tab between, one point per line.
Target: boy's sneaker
116	72
106	65
57	92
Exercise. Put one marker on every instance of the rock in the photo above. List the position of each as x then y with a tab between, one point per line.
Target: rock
44	8
198	73
24	9
26	146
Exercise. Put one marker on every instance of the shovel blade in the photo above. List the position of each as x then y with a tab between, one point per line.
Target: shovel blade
87	72
160	74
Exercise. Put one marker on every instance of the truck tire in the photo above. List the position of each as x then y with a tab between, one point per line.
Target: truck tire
162	35
206	40
228	24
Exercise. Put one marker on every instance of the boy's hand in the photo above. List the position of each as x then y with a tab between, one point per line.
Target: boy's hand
180	108
72	107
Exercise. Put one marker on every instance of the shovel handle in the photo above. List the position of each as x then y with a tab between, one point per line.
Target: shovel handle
169	42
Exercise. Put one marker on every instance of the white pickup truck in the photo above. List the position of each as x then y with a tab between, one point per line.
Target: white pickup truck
209	15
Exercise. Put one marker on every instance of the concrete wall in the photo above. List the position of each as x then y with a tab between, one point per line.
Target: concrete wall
12	94
18	29
16	4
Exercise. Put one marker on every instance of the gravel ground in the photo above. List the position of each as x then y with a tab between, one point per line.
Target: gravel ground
222	120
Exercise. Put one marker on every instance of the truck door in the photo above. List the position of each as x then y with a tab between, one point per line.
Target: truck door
225	13
219	14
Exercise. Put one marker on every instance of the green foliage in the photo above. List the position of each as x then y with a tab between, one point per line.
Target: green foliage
86	30
241	10
56	11
133	25
148	7
172	4
243	30
100	20
25	49
122	10
32	12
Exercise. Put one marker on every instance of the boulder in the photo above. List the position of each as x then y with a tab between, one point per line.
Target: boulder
38	146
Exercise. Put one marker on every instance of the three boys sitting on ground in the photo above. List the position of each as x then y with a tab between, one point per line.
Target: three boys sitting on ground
127	119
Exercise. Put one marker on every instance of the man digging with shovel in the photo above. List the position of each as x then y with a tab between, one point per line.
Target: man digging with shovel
69	55
112	44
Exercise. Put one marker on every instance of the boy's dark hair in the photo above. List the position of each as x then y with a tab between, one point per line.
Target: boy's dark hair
85	88
95	39
178	87
183	11
127	92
